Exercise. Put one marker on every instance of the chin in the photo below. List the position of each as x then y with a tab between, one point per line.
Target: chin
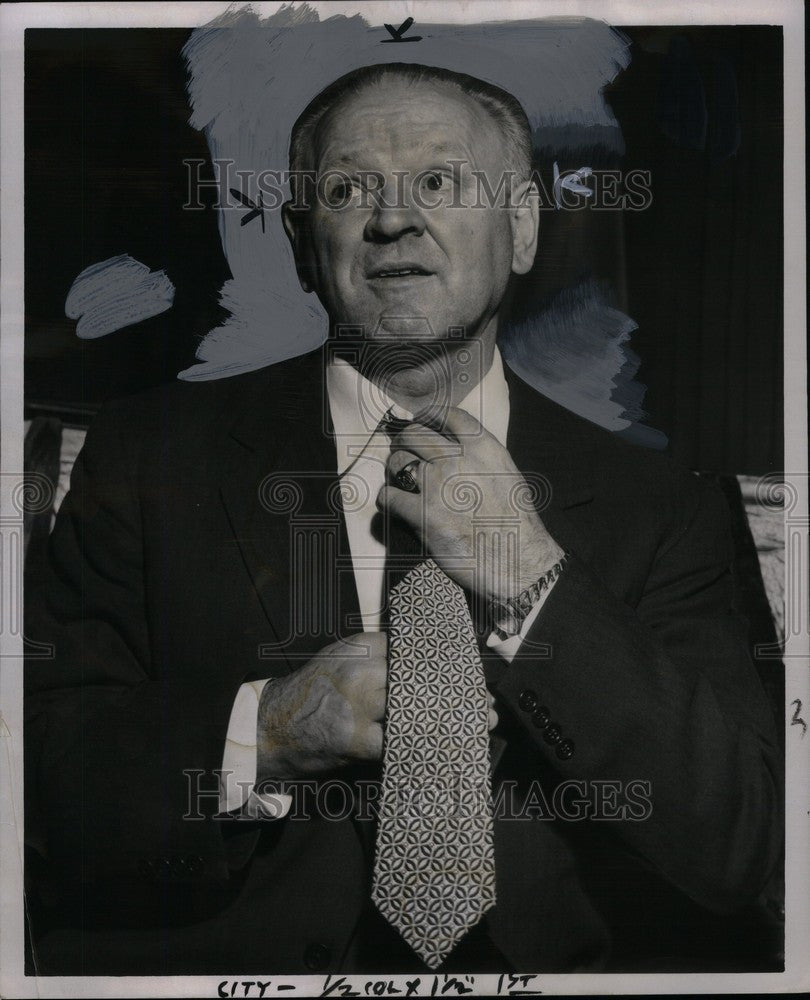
408	327
422	382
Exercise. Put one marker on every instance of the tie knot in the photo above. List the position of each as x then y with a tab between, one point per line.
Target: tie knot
392	425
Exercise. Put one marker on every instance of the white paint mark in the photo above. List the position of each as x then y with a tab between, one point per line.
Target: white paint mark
576	353
571	182
116	293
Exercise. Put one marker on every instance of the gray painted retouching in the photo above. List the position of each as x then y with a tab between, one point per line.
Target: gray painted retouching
249	79
116	293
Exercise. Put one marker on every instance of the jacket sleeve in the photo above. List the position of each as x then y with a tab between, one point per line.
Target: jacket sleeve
663	692
107	727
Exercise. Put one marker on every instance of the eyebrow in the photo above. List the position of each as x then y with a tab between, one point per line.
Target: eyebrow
435	149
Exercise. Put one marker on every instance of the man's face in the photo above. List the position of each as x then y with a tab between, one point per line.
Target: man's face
415	266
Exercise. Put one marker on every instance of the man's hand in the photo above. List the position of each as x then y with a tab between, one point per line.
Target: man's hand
329	713
474	467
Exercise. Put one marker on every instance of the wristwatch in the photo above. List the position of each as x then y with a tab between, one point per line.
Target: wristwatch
507	617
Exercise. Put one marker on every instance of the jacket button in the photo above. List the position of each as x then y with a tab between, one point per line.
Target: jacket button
528	700
565	749
194	864
541	717
163	868
552	733
316	957
179	868
146	868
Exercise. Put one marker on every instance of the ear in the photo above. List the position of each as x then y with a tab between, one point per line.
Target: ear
525	222
296	226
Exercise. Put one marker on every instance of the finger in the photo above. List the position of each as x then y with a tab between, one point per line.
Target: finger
378	643
374	690
462	424
425	442
363	661
404	505
399	460
369	744
374	701
362	646
493	719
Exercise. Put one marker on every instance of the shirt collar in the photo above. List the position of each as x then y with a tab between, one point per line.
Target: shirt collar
357	406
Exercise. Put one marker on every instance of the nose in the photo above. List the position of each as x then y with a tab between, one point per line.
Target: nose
394	215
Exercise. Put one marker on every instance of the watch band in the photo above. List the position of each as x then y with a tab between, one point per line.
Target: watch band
507	617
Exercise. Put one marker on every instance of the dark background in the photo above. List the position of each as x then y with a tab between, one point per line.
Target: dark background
700	271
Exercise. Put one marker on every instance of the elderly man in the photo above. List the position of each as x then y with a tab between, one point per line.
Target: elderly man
276	579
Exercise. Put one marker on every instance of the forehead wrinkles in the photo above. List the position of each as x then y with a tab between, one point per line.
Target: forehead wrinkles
403	118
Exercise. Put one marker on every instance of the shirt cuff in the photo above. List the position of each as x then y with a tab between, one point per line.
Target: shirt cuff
238	776
507	648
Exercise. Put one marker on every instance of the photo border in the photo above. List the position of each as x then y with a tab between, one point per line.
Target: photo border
13	21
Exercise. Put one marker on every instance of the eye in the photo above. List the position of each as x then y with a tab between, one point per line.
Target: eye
339	191
434	181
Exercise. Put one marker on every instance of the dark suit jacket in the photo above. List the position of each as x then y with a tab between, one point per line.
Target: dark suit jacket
175	569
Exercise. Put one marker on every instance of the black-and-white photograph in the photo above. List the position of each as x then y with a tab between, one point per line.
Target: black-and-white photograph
404	499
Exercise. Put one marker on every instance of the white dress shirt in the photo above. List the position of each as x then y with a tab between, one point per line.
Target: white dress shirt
357	406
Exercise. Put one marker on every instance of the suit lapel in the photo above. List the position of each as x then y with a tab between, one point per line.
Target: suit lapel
555	453
281	493
548	448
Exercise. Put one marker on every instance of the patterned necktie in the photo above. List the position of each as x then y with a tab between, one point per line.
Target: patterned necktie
434	872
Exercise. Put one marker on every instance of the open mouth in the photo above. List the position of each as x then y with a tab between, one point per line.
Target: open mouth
399	271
